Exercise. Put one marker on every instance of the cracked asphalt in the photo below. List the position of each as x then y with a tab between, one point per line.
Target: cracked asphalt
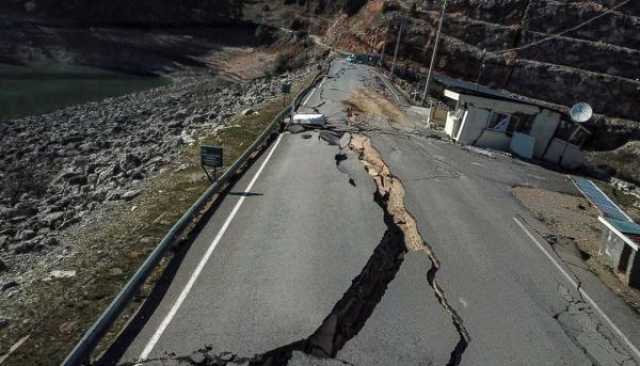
307	242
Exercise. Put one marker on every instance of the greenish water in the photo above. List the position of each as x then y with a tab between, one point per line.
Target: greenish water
29	90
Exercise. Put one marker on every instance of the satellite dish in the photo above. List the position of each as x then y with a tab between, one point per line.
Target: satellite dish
581	112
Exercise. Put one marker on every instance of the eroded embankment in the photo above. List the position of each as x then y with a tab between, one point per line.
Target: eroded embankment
392	193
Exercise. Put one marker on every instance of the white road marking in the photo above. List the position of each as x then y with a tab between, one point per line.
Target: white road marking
313	92
582	292
196	273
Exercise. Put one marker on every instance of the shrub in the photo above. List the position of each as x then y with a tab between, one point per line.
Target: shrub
351	7
264	35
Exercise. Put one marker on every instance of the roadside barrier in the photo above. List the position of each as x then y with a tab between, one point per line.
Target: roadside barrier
81	353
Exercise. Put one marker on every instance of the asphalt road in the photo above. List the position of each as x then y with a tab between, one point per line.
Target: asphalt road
298	242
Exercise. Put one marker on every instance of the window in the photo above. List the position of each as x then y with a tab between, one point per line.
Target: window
524	123
499	121
580	136
565	130
508	124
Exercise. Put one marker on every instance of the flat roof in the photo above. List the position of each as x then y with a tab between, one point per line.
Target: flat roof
607	207
469	88
626	227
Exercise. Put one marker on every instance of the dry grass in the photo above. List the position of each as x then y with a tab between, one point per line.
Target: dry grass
372	103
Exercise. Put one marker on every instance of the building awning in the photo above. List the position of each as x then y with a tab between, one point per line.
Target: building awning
629	232
626	227
594	194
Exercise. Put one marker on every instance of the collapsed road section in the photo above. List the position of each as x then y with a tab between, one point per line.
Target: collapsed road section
390	196
354	309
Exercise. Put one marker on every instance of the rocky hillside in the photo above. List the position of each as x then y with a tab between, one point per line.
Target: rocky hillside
598	63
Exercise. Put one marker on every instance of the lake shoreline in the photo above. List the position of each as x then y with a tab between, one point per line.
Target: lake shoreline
40	89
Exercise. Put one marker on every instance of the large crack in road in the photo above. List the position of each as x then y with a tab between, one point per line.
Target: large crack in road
350	314
392	191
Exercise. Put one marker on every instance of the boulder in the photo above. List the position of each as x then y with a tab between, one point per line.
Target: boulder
129	195
78	180
4	241
53	219
26	247
7	284
62	274
26	235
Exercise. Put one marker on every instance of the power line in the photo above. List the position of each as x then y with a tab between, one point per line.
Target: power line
395	53
553	36
560	34
435	50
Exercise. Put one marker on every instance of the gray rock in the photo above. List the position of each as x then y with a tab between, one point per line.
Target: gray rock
8	284
51	242
68	222
4	323
64	175
78	180
88	147
197	358
113	195
12	213
129	195
62	274
175	124
99	196
3	266
4	240
26	247
26	235
226	356
54	218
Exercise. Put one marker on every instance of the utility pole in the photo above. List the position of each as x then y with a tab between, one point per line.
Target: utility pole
395	53
484	54
433	56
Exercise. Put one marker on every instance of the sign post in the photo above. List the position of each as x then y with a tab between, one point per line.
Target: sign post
285	88
211	156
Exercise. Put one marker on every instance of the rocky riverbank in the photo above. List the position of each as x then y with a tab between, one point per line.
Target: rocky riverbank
61	167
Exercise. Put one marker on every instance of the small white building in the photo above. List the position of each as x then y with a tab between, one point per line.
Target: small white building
620	234
498	120
620	242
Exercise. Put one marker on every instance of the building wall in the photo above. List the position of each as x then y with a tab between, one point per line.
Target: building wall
613	246
522	145
494	140
565	154
573	157
474	122
543	129
634	274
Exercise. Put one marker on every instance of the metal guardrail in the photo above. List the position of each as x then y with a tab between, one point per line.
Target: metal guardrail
81	353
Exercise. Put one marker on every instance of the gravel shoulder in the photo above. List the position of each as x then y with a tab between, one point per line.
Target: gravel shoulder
573	228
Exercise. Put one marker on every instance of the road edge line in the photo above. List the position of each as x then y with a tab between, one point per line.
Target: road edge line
203	261
584	294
